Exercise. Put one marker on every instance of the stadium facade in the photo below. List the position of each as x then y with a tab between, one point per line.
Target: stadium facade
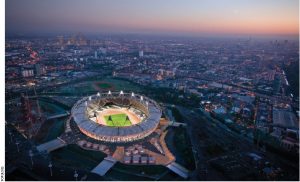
88	107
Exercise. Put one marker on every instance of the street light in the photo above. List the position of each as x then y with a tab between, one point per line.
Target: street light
31	155
10	134
50	167
75	175
17	143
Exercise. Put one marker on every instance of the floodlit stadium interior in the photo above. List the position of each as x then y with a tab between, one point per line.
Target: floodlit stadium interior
96	116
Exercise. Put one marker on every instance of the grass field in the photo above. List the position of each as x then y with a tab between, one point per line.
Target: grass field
104	85
117	120
73	155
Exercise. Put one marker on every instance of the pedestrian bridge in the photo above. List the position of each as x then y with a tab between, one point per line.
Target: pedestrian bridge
58	116
51	145
178	169
176	124
104	166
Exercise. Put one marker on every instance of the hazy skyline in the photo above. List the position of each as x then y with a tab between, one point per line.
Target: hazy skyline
268	17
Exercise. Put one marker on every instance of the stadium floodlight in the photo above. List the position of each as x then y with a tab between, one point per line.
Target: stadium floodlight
98	94
132	94
109	92
142	98
121	93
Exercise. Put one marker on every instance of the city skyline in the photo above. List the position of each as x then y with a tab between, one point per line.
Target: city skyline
191	17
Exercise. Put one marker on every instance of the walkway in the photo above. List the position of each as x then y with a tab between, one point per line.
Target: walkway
177	124
51	145
68	125
58	116
178	169
104	166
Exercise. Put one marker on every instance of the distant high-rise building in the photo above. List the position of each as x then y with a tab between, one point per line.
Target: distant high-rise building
78	39
103	50
141	53
96	55
61	40
39	69
27	73
161	71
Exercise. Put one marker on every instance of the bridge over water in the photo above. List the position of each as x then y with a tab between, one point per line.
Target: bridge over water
58	115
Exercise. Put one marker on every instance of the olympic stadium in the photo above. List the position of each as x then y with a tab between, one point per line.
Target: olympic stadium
116	117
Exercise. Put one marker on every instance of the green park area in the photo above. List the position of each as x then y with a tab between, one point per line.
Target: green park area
104	85
49	109
184	148
92	86
54	130
73	155
50	129
141	173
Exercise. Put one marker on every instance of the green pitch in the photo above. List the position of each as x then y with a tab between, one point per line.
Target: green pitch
117	120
